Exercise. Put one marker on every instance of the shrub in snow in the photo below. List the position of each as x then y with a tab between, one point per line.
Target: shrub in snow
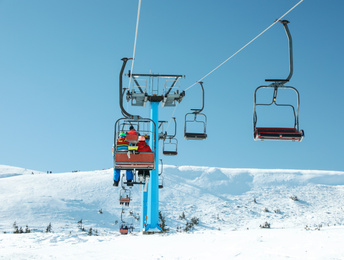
195	221
266	225
277	211
189	226
80	226
100	211
19	230
27	230
317	227
49	228
16	229
182	216
294	198
162	223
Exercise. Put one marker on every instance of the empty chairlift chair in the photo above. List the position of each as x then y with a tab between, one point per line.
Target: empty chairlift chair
170	147
279	133
196	122
170	143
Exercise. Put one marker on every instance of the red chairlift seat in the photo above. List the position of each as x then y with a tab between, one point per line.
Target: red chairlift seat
124	231
278	133
143	160
124	200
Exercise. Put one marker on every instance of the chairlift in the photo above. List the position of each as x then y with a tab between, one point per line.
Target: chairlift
170	146
125	197
125	229
131	160
197	120
126	223
279	133
161	177
170	143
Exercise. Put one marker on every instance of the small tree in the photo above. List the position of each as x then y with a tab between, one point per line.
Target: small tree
195	221
80	226
182	216
49	228
266	225
294	198
27	230
162	223
16	228
191	225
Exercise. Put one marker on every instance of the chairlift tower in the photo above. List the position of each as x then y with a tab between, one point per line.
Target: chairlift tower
146	89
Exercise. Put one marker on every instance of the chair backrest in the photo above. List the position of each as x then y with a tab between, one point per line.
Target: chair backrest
134	161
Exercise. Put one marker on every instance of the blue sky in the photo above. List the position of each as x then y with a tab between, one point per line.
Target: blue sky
60	61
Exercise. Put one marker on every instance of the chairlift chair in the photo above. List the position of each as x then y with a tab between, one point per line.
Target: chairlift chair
170	146
170	143
198	120
279	133
130	160
125	197
161	177
124	230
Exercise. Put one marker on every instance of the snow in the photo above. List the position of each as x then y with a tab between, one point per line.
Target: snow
231	205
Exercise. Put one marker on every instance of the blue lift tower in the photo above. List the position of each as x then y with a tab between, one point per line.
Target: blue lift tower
145	89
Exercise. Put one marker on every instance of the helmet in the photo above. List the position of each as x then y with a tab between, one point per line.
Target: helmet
122	134
142	138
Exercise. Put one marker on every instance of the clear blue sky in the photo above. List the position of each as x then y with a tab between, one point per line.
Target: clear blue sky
60	61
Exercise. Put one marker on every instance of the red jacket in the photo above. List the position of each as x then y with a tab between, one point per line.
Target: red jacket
143	147
132	132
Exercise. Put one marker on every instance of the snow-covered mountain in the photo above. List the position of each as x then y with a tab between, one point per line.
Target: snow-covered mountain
227	202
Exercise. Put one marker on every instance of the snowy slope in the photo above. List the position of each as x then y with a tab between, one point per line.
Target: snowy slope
230	203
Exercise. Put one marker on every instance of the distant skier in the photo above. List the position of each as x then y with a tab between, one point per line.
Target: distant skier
143	147
122	146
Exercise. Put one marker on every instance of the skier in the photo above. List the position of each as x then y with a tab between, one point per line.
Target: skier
122	146
143	147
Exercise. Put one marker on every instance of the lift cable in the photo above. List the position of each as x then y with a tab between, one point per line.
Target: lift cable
245	45
137	28
277	20
134	51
